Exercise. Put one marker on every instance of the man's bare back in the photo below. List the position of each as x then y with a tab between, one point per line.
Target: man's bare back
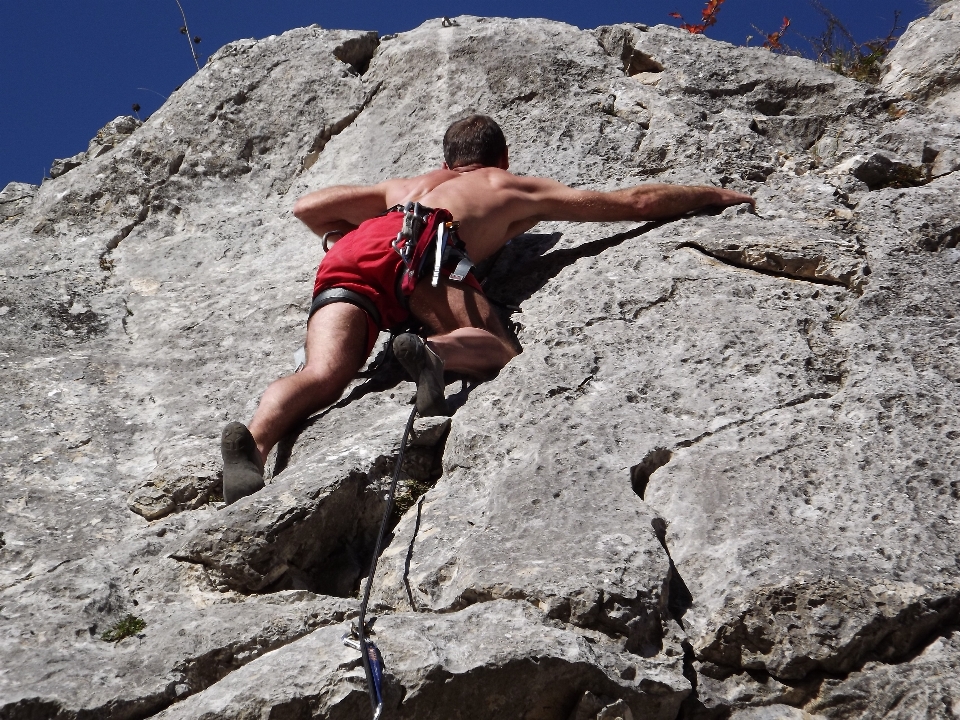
485	201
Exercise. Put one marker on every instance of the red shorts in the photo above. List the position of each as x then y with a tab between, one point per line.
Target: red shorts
365	262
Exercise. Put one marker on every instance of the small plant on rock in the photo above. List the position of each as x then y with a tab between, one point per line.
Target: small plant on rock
708	16
127	627
773	41
409	496
837	47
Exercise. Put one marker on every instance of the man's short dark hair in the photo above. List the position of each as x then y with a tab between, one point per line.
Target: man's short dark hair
474	139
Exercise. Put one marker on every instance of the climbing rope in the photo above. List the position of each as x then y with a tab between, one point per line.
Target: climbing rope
357	637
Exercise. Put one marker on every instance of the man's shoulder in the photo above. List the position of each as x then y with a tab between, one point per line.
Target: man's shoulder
504	178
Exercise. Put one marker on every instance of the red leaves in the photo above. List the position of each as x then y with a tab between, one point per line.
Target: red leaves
708	15
709	18
773	39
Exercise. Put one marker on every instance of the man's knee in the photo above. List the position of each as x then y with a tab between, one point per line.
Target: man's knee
319	376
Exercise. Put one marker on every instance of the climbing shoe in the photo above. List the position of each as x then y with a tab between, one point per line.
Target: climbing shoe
241	474
426	369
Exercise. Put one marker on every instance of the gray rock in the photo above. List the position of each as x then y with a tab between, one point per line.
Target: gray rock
722	473
15	198
477	661
925	686
318	518
947	161
773	712
876	169
65	165
112	134
106	139
925	63
186	477
181	651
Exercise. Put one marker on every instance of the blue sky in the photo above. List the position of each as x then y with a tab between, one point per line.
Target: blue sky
68	67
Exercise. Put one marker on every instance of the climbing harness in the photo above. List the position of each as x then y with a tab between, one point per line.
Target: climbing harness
425	230
339	294
357	638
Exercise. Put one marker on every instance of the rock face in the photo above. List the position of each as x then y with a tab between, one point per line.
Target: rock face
109	136
925	64
721	480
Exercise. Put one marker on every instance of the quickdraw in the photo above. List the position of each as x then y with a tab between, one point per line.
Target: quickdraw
421	225
357	638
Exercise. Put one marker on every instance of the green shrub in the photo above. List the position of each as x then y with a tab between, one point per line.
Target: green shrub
128	626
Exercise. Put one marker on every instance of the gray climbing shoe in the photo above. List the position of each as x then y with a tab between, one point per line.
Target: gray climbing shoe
426	369
241	474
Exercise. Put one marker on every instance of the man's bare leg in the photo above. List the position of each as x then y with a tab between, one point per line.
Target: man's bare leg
336	350
472	351
465	331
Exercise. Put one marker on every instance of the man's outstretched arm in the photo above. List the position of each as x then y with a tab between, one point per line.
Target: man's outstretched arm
550	200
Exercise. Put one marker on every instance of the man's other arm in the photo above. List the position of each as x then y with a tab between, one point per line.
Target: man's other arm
550	200
341	208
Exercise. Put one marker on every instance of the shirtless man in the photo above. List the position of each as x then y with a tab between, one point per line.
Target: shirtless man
358	281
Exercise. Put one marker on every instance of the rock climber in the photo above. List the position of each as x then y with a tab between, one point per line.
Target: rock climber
384	269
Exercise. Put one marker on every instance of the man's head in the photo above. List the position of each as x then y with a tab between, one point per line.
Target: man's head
474	140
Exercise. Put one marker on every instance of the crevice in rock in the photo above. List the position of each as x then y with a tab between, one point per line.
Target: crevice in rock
634	622
737	423
744	88
813	700
37	708
357	52
853	281
641	472
679	597
173	167
127	313
409	557
875	635
317	546
935	239
323	544
330	131
692	707
242	95
804	694
200	672
114	242
665	298
618	42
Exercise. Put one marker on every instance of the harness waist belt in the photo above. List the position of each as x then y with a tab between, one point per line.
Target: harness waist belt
336	294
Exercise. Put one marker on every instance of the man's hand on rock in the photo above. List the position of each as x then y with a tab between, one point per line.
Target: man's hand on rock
726	198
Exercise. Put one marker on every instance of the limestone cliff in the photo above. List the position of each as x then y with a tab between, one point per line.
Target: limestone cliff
721	480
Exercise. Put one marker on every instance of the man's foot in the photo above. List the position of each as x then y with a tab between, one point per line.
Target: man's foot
426	369
241	473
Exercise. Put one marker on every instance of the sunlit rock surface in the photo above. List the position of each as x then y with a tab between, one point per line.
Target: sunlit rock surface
721	480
